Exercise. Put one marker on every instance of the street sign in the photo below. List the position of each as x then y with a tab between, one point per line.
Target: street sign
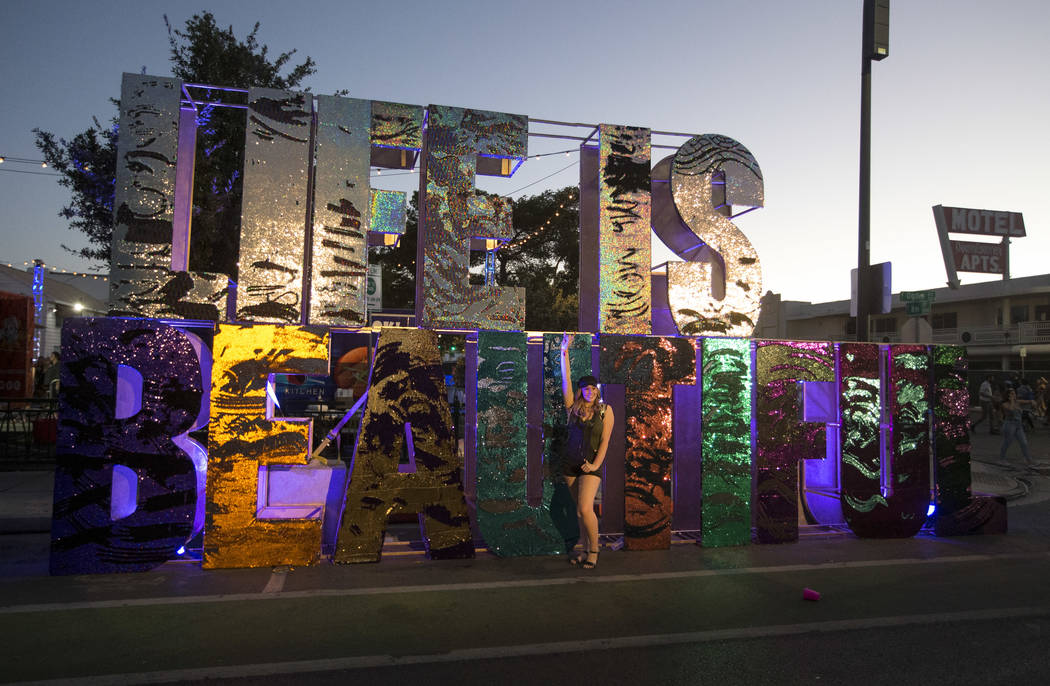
374	287
917	303
918	296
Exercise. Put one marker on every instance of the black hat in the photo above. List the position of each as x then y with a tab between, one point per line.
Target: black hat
587	381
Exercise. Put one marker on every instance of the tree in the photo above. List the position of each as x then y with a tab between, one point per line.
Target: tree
544	258
204	53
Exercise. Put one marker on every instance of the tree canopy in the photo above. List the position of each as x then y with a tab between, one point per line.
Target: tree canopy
201	52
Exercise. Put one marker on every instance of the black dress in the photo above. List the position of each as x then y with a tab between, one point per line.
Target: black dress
585	437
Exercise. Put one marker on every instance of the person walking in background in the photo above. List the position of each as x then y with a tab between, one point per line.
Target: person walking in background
1040	398
987	405
1013	429
590	425
1026	396
51	375
998	395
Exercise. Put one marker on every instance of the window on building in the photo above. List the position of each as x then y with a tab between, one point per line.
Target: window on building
884	325
1018	314
1042	313
851	326
944	320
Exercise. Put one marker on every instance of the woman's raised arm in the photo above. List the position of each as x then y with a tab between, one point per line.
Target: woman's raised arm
566	376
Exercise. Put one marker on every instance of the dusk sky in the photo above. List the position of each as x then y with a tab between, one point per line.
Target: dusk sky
960	106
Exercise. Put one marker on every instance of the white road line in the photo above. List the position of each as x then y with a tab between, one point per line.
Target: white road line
276	581
575	646
585	577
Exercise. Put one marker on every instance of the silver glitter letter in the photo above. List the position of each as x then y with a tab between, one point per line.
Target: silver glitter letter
711	172
451	214
273	214
142	283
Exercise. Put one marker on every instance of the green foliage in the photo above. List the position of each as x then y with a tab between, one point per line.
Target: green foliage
544	259
88	165
204	53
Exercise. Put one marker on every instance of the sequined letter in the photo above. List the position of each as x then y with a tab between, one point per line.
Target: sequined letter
142	283
649	368
782	438
87	534
277	160
509	525
726	438
624	214
405	400
709	173
452	213
242	439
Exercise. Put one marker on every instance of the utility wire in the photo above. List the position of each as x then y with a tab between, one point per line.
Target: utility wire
544	178
26	171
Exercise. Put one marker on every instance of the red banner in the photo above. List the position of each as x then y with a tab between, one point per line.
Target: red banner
16	345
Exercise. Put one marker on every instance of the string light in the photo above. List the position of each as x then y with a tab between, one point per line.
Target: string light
64	272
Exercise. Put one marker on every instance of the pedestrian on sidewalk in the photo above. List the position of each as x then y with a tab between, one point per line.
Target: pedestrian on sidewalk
987	405
1026	396
590	425
1013	429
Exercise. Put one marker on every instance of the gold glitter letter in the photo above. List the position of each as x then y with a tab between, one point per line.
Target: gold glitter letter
241	439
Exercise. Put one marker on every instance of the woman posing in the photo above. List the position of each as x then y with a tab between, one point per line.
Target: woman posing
590	426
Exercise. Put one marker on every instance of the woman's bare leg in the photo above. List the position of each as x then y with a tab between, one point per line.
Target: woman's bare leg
587	489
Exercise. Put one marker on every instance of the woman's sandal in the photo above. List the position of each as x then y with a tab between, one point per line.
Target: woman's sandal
576	560
587	564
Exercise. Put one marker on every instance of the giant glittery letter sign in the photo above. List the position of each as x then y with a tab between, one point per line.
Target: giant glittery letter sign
958	510
909	469
90	533
242	439
782	438
860	436
346	209
405	402
341	199
277	159
509	525
452	214
142	283
624	216
708	173
649	368
726	440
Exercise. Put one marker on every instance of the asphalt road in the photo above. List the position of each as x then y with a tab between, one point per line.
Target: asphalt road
921	606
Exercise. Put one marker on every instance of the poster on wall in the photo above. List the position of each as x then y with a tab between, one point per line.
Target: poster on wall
16	343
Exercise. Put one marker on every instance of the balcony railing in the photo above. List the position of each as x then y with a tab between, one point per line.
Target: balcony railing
1019	334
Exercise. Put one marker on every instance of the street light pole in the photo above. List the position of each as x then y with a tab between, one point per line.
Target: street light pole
864	202
874	45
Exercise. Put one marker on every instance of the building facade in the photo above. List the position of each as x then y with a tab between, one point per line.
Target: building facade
1005	325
